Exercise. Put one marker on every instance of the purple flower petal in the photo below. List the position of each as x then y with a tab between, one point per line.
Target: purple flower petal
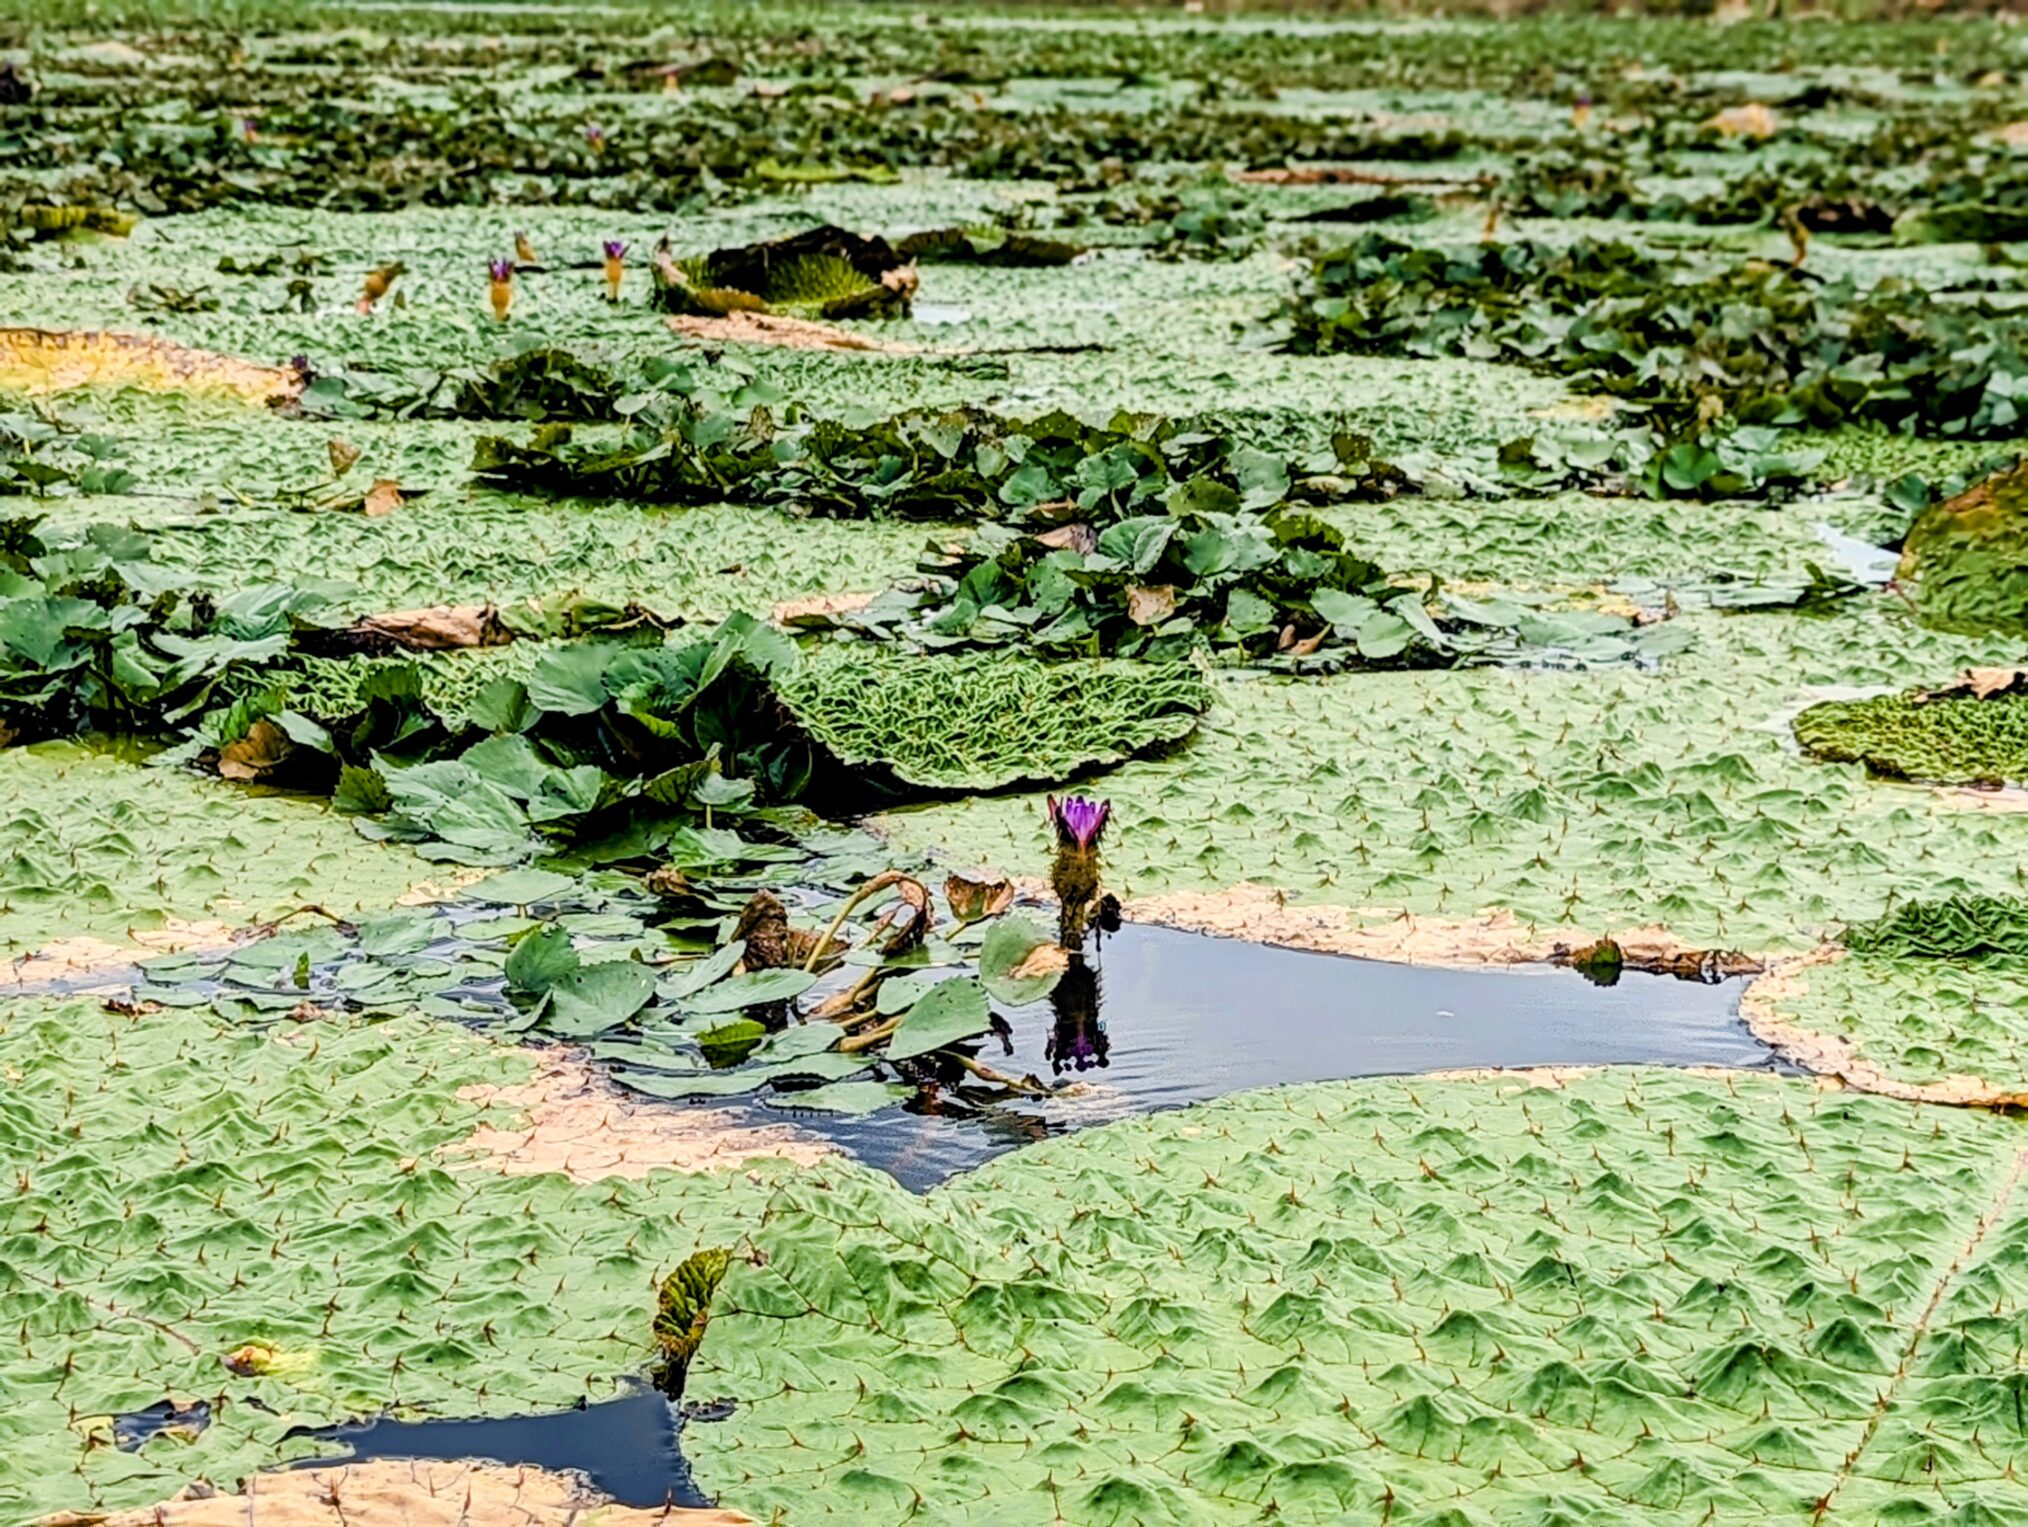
1079	820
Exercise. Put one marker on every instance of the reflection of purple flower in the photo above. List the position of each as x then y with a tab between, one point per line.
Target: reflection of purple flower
1079	821
501	270
595	135
615	249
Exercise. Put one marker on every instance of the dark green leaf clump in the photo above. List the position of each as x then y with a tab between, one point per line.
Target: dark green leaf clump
1944	739
1760	343
1957	928
986	245
928	463
1965	561
823	273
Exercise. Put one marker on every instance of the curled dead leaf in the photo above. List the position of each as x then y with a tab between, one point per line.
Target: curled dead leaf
440	628
1080	538
1981	684
263	749
972	897
384	497
910	917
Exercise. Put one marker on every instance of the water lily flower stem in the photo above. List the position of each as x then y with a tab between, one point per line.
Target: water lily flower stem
878	883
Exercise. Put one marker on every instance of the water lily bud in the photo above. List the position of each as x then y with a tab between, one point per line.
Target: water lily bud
524	251
502	287
616	267
377	283
595	136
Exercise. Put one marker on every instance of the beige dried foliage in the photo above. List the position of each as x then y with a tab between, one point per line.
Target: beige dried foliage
819	606
1754	119
1495	937
1981	684
2014	134
575	1121
74	959
1150	604
2005	798
1763	1006
401	1492
382	498
746	328
438	628
56	360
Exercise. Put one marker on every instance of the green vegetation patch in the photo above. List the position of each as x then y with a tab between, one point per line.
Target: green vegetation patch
1955	928
1948	739
1643	1296
982	721
1966	559
1591	800
97	844
1919	1021
264	1223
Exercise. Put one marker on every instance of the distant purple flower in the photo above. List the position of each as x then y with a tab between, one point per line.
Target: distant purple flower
615	249
300	364
595	135
1079	821
501	270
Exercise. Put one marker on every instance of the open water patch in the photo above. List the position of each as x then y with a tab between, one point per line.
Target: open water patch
1161	1018
626	1448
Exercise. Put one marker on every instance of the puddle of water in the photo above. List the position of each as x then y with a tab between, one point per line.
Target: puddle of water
1184	1017
134	1429
627	1448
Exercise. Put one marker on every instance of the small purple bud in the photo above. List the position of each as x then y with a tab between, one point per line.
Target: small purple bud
501	270
616	249
595	135
1079	820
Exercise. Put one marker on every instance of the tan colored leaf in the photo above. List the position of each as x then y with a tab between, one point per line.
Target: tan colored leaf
1981	684
256	755
1752	120
974	897
343	455
787	333
384	497
439	628
1080	538
1150	604
1042	960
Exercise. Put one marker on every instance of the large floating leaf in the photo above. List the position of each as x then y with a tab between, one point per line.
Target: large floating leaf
1430	1298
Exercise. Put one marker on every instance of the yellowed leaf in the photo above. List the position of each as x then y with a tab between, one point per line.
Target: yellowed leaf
58	360
1755	119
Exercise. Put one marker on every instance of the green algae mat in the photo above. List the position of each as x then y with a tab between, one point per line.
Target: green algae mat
773	489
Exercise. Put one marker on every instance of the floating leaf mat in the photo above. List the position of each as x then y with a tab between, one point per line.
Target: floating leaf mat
1646	1297
50	360
1946	739
1966	559
986	720
182	1194
1639	1295
1945	1030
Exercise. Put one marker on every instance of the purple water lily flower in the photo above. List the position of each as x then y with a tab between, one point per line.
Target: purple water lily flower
595	135
1079	820
500	270
616	249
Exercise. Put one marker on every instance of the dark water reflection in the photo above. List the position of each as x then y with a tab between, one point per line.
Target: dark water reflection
1162	1018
